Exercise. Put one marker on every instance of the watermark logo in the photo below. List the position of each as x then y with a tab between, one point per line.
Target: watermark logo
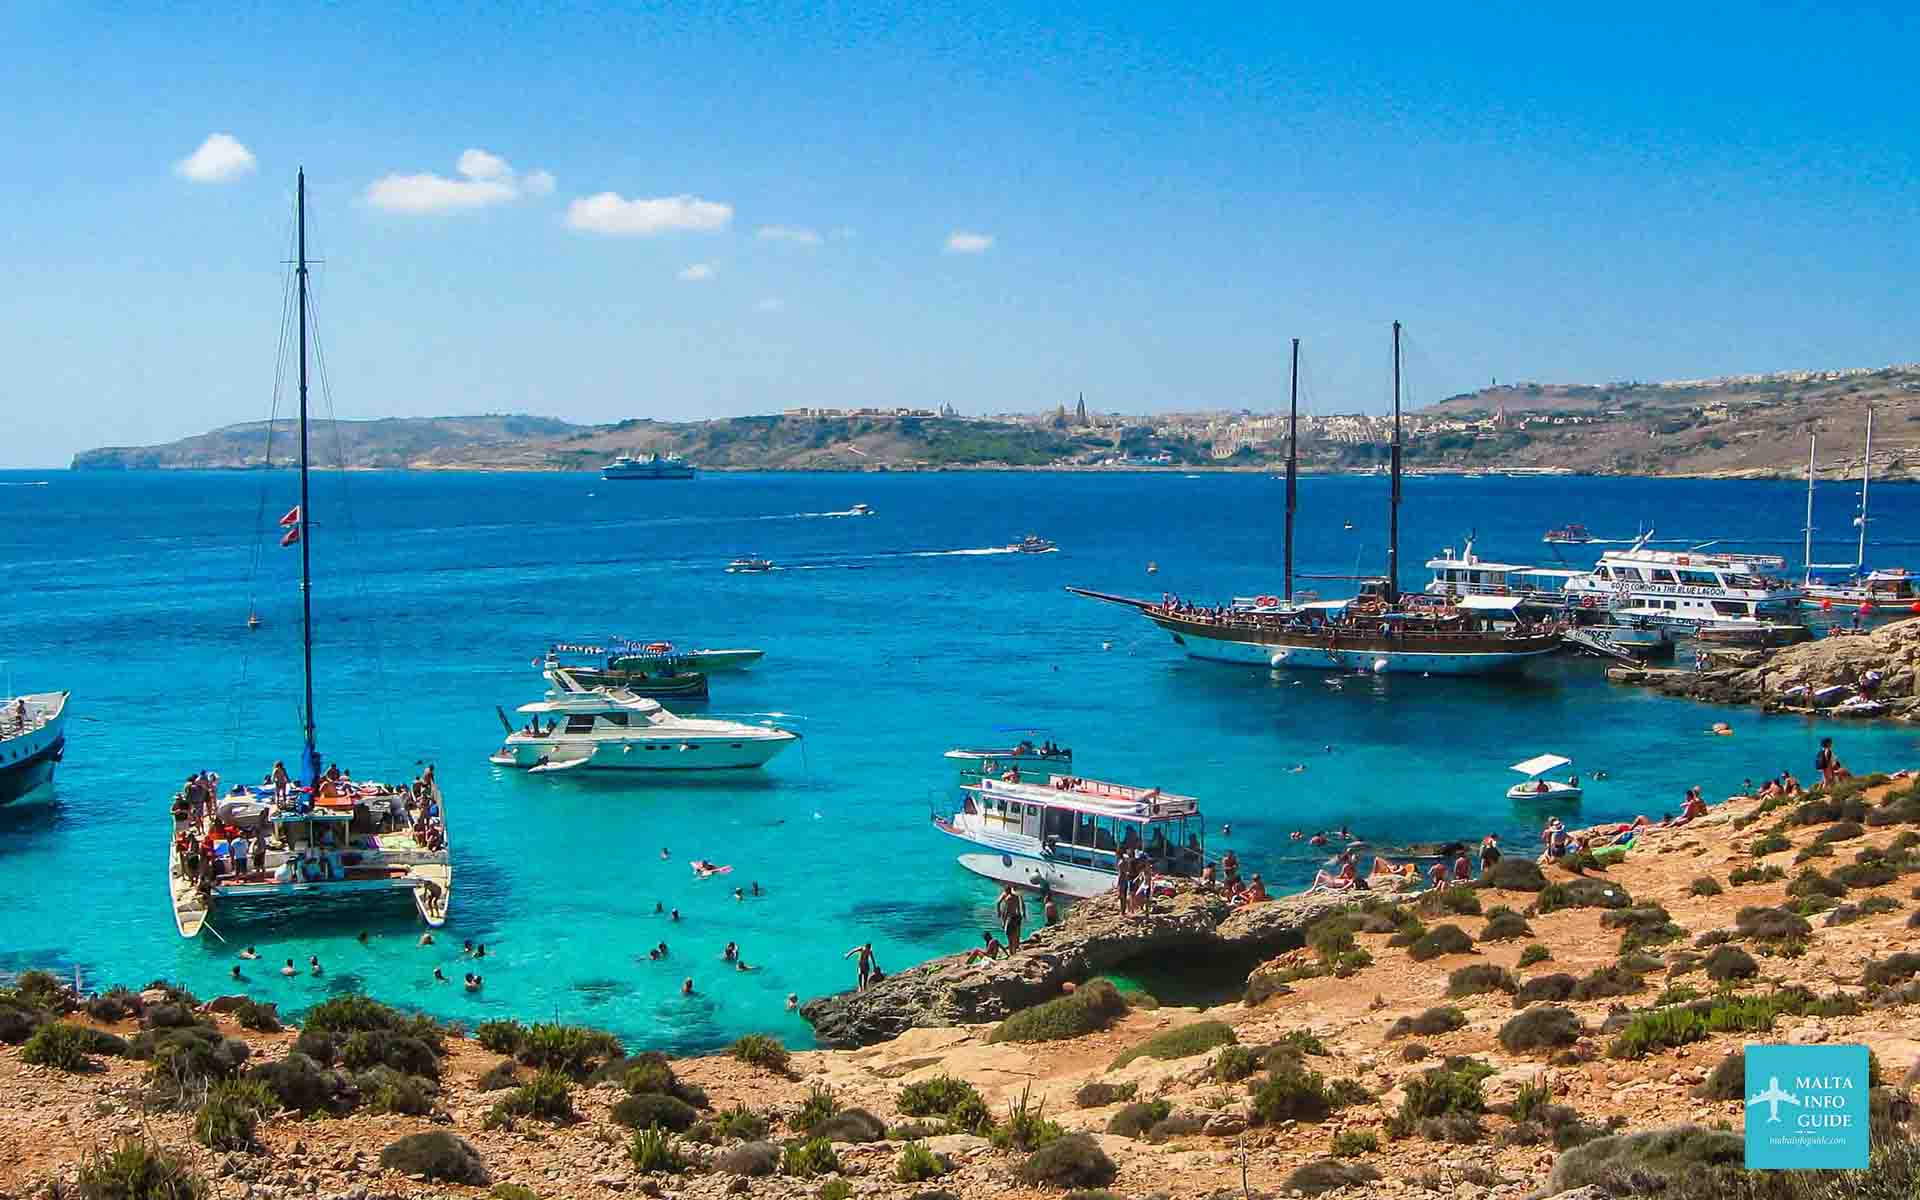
1806	1107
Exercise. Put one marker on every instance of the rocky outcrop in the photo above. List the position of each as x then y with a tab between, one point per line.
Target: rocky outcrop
1875	674
1094	937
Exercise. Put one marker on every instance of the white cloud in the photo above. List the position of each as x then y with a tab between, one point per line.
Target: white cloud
962	241
771	304
697	273
220	158
788	233
612	213
485	179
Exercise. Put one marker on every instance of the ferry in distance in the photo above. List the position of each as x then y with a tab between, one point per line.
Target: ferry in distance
653	466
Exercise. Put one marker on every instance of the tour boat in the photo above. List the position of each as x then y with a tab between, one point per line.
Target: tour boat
1695	586
1539	788
33	739
1033	543
1574	534
1880	592
1751	633
1061	834
1626	638
656	676
315	835
625	656
1024	758
1378	630
749	566
1542	591
653	466
611	729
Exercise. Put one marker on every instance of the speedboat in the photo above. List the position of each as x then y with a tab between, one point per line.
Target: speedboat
625	654
749	566
861	510
661	676
611	729
1568	535
1537	786
33	739
1061	835
1023	759
1033	543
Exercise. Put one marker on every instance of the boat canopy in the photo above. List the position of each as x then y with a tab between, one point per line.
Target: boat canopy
1491	603
1326	605
584	703
1093	796
1540	764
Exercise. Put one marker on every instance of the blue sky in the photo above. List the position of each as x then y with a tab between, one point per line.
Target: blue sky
1159	197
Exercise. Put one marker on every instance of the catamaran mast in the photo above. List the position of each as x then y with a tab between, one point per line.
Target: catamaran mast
1393	494
305	526
1293	462
1866	472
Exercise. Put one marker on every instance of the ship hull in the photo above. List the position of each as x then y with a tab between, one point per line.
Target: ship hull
1410	655
30	773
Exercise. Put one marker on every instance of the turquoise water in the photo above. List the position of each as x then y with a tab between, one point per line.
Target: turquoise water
888	639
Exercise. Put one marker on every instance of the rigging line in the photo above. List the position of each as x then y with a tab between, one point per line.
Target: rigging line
370	628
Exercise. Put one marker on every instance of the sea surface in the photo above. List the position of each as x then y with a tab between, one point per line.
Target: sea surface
888	639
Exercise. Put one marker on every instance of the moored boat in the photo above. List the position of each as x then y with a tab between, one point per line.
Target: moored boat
660	676
1538	787
1542	591
1883	592
651	466
749	566
33	739
1695	585
610	729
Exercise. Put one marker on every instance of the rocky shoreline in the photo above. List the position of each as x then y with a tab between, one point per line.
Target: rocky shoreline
1868	675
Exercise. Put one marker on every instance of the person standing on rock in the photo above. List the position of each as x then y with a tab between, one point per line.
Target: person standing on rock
1123	870
1049	911
867	969
1826	762
1012	911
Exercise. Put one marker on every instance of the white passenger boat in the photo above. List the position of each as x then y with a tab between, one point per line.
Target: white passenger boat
610	729
1686	585
1061	834
33	739
749	566
652	466
1033	543
1537	786
1542	591
304	836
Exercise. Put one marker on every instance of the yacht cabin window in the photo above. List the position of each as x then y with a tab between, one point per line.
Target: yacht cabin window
1700	578
579	723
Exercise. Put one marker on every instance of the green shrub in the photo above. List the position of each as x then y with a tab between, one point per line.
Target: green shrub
571	1049
1506	927
1328	1174
651	1150
647	1110
367	1048
1770	924
808	1157
1536	953
755	1158
500	1076
1072	1161
1453	1087
759	1050
1726	963
1441	939
1431	1023
1090	1008
1840	831
1303	1040
115	1004
1741	876
230	1114
1026	1127
1652	1157
851	1125
1895	968
1352	1143
816	1108
1705	885
1138	1117
1234	1064
1514	875
386	1090
1636	962
1728	1080
1479	978
1810	882
1582	893
261	1018
1181	1042
185	1060
740	1123
1865	875
1459	901
917	1164
67	1047
501	1037
357	1014
437	1156
837	1189
1098	1094
1345	1092
1555	986
1544	1028
1408	934
300	1084
1771	843
548	1096
137	1170
512	1191
1291	1092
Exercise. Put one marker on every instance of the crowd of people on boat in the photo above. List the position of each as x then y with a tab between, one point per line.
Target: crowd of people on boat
1363	617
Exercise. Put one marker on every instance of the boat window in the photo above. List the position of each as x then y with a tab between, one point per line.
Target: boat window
579	723
1628	574
1747	581
1103	834
1730	608
1700	578
1660	576
619	719
1603	573
1059	824
1083	830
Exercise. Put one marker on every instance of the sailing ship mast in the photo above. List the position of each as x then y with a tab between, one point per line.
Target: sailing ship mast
1393	494
1293	464
1806	551
311	759
1866	473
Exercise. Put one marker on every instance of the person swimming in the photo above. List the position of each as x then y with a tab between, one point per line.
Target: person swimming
793	1001
289	970
439	976
426	939
313	963
236	972
249	953
473	982
686	986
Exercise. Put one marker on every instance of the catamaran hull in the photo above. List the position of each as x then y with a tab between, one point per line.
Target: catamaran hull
1322	657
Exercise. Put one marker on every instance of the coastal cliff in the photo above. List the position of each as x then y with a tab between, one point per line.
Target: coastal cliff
1874	674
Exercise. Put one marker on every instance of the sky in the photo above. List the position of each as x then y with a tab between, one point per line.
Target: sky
679	211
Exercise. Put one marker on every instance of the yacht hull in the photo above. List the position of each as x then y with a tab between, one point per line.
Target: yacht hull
1368	654
658	754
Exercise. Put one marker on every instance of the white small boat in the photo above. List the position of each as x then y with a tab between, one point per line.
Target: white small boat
749	566
1539	788
861	510
610	729
1033	543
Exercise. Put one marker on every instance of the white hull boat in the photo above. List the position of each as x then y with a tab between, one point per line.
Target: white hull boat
33	739
608	729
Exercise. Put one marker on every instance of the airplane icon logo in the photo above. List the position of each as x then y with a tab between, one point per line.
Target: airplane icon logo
1773	1098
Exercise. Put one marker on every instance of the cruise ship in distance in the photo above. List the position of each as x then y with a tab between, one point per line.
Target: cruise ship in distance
652	466
1687	585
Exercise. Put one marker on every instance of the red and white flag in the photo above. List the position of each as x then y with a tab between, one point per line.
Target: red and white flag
292	517
291	536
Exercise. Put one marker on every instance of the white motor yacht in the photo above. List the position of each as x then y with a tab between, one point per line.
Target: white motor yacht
611	729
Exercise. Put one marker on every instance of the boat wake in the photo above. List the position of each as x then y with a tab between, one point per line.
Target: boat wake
25	483
979	551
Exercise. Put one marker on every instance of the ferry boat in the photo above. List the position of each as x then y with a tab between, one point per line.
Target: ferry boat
1062	834
1884	591
652	466
1377	630
750	566
305	836
1542	591
611	729
1574	534
1685	586
33	739
1033	543
657	676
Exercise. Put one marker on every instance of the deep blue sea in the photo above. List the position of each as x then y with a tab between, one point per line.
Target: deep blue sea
889	639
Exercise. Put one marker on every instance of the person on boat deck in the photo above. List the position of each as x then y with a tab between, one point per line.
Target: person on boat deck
866	964
240	849
281	780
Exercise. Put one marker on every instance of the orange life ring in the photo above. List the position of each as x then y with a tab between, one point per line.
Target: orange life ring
1266	601
1684	561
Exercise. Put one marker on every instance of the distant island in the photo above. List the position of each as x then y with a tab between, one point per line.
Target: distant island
1752	426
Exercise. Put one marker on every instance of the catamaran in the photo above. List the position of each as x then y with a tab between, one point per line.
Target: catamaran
611	729
33	739
1377	630
295	840
1883	591
1061	834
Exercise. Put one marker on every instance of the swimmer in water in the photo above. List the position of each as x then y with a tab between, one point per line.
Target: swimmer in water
289	970
674	915
236	972
426	939
363	937
658	908
480	951
740	964
439	976
686	986
730	953
653	955
1296	768
663	853
739	894
313	963
756	887
466	946
249	952
663	949
473	982
793	1001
